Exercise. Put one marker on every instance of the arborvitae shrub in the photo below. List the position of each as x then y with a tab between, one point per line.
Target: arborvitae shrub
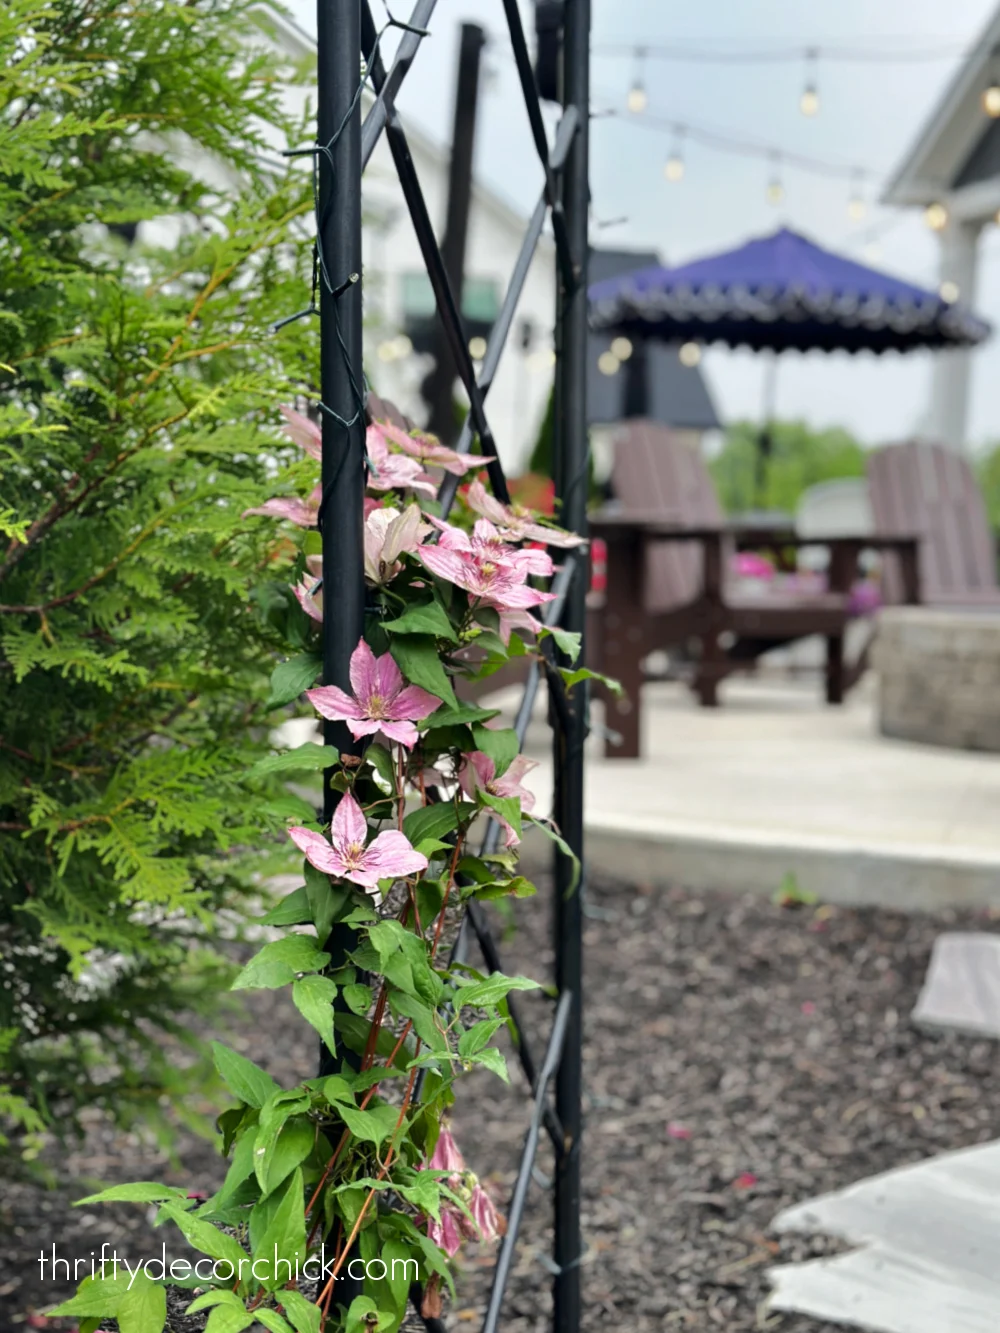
139	384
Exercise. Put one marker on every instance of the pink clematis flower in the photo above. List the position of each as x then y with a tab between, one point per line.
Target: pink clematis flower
309	592
390	855
381	701
454	1226
487	542
515	523
388	534
480	772
392	472
300	512
492	573
303	432
428	449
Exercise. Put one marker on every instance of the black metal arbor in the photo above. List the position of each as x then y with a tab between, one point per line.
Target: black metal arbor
345	141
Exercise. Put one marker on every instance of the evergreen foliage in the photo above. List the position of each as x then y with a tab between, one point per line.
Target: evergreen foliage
800	458
138	389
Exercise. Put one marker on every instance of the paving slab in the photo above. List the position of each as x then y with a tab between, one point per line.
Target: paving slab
774	782
962	990
927	1237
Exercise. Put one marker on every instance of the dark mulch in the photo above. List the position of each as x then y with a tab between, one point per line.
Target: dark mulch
777	1039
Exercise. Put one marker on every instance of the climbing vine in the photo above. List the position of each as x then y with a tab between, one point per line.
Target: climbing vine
353	1165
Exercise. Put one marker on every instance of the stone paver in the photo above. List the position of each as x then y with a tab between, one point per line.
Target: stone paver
928	1238
962	989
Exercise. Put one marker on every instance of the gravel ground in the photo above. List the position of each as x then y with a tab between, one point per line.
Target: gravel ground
740	1057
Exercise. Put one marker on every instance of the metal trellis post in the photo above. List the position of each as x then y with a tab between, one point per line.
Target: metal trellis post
571	458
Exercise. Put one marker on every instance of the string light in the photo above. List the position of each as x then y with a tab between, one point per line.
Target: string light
689	354
775	190
477	348
991	98
936	216
809	101
673	168
608	363
621	347
637	99
856	206
948	292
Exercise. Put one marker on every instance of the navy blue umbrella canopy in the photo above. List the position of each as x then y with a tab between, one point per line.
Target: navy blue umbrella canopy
782	292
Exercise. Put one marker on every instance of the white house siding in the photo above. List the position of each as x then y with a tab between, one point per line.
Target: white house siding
521	387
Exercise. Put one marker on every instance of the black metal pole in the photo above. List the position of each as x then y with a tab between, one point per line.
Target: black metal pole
438	387
338	239
571	460
341	374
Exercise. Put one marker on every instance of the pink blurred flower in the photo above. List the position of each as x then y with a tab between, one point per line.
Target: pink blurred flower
864	599
300	512
745	1181
675	1130
808	1007
347	857
388	534
750	565
479	773
303	432
381	701
393	471
515	523
309	593
428	449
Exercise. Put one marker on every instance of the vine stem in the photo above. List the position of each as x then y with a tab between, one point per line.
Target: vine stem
324	1295
347	1133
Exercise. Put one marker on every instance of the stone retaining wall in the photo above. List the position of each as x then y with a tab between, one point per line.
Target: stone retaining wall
939	676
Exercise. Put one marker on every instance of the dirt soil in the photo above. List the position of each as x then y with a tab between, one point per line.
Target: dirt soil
740	1057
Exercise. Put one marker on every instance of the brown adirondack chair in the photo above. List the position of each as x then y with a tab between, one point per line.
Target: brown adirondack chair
931	491
668	552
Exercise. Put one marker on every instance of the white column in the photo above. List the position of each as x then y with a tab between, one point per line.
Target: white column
949	406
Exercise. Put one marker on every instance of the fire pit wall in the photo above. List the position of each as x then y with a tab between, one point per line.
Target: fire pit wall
939	676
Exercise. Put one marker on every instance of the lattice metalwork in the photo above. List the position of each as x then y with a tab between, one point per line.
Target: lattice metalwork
345	143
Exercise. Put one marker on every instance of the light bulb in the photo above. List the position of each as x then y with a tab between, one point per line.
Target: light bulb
856	208
775	192
637	98
689	354
621	347
809	101
936	216
991	99
477	348
996	217
673	168
608	363
948	292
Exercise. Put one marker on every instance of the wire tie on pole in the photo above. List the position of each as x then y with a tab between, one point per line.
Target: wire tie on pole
290	319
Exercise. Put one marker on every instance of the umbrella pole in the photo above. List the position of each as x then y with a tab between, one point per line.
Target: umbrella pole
765	438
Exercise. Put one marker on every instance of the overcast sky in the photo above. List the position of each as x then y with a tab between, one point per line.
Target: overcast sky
869	115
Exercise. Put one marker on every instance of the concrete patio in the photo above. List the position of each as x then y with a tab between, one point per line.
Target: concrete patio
776	783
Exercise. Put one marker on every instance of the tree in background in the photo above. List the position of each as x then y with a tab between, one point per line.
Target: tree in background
139	386
800	458
988	472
